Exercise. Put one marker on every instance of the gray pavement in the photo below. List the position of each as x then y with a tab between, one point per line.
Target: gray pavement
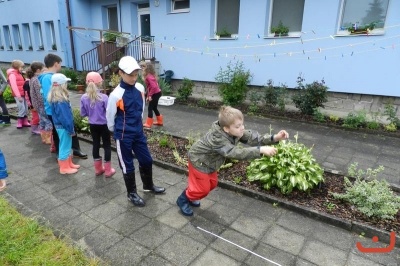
228	229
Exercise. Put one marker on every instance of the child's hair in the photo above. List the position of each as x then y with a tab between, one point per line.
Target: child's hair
30	73
149	70
58	93
16	64
36	65
228	115
51	59
91	91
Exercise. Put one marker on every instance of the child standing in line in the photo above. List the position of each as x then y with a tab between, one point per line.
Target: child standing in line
94	105
45	126
208	154
35	116
124	118
17	81
3	171
63	121
153	95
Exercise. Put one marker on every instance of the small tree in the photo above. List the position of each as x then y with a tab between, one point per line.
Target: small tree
186	89
310	96
233	82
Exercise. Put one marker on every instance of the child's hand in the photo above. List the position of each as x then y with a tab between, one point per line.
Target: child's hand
281	135
268	150
149	98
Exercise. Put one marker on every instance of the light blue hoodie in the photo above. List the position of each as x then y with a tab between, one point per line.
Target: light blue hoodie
45	82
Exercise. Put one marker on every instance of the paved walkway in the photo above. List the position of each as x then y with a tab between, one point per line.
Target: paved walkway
229	228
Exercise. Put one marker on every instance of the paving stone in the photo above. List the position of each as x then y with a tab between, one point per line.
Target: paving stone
173	218
110	189
180	249
226	247
251	226
60	215
191	229
322	254
297	223
154	205
213	258
392	258
231	199
153	234
355	260
105	212
268	255
220	214
126	252
334	236
45	203
301	262
88	201
128	222
152	260
80	226
100	239
263	210
282	238
30	194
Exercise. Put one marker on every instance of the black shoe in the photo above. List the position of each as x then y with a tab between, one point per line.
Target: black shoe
183	203
80	154
154	189
136	199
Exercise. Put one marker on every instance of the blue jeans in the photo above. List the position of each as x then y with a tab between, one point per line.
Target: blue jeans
3	166
65	144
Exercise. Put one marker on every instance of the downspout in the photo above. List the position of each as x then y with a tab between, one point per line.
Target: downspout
120	21
71	36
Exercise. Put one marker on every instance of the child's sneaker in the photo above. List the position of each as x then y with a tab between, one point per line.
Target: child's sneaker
195	203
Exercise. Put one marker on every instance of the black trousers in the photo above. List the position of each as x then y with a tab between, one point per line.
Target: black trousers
3	105
101	133
153	105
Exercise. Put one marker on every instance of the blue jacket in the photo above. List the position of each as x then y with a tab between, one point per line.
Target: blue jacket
62	116
124	111
45	82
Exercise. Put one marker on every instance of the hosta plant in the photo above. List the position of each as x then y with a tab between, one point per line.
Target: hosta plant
293	167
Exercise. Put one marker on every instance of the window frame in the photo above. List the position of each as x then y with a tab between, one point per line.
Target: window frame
180	10
345	32
291	34
38	35
232	35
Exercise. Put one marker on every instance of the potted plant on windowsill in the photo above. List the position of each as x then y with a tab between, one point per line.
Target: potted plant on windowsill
355	28
224	33
280	30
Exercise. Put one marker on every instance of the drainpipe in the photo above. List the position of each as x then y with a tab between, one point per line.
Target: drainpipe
71	37
120	22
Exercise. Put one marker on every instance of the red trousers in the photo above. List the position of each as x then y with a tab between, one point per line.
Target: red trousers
200	184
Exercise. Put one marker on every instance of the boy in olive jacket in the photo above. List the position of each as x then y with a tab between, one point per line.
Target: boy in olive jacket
208	154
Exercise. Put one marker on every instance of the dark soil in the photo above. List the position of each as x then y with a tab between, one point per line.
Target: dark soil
318	199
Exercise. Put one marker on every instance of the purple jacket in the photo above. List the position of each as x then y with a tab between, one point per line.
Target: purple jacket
96	112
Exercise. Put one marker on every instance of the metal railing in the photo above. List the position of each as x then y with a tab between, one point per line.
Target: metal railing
141	48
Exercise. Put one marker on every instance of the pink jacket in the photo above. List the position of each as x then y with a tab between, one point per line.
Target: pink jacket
16	81
151	85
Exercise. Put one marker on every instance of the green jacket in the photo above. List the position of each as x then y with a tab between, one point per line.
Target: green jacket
209	153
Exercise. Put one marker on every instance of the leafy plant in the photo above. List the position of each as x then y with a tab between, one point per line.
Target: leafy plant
10	47
390	112
192	138
373	125
186	89
293	167
368	195
19	46
318	116
202	102
237	179
354	28
70	73
30	48
223	33
8	98
391	127
355	119
166	141
165	87
54	46
2	47
179	160
280	29
111	36
254	102
334	118
81	123
114	80
233	82
330	206
310	96
275	95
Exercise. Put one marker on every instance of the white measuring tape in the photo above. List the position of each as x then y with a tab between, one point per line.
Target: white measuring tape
230	242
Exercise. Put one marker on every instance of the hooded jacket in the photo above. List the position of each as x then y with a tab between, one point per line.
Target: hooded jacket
45	82
16	81
209	153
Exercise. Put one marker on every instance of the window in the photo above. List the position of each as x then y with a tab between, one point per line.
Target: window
360	17
227	17
26	31
17	37
288	14
38	35
180	5
51	39
112	16
7	38
1	41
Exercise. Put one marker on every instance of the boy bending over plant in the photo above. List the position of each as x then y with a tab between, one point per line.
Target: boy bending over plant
208	154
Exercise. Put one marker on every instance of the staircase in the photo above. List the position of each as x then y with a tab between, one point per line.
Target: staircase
141	48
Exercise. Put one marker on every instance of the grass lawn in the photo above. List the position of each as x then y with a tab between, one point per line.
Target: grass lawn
23	241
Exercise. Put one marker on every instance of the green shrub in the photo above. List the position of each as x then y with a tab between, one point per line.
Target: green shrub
254	102
164	87
233	82
373	125
310	96
371	197
292	167
8	98
390	112
81	123
275	95
186	89
391	127
318	116
355	119
72	74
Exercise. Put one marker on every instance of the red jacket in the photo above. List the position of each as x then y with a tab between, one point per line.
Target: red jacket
16	81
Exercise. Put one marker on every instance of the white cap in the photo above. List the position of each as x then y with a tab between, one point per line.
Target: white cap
59	79
128	64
